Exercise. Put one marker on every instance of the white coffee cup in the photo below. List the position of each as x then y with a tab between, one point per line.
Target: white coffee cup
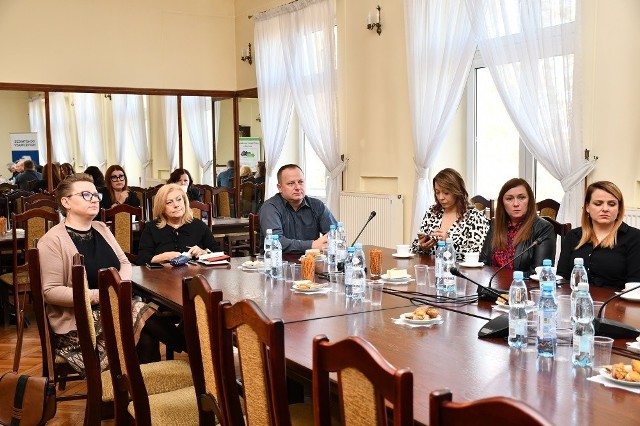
472	257
403	249
629	286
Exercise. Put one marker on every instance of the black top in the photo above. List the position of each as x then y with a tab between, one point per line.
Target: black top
542	231
606	267
193	194
97	253
154	240
106	203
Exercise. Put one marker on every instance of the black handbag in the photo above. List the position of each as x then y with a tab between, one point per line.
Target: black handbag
26	400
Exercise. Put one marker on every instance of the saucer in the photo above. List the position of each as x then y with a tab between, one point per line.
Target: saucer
472	264
536	278
631	296
403	256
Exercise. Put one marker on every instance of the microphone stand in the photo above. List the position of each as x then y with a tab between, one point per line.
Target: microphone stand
611	328
483	294
371	216
487	292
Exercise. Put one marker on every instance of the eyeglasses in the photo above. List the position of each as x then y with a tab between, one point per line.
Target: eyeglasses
88	196
116	178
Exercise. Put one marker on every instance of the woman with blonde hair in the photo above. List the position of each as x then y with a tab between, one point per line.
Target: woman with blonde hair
451	216
173	230
246	175
609	247
515	228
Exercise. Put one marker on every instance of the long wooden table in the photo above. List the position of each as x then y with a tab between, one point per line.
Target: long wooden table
446	355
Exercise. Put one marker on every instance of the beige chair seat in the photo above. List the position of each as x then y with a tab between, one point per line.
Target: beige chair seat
159	377
176	408
23	278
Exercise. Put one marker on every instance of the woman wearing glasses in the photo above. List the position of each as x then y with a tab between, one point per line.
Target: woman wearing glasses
79	233
116	190
183	178
515	228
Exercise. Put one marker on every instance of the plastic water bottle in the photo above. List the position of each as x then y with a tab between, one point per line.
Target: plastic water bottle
267	252
583	331
332	253
449	263
578	275
548	276
341	245
547	321
517	312
276	257
348	272
358	281
439	266
359	257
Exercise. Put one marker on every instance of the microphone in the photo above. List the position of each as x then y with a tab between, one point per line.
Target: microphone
489	292
533	244
496	327
611	328
371	216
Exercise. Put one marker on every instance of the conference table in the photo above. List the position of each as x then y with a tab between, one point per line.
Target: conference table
446	355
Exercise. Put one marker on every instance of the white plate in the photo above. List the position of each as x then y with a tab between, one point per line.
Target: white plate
472	264
319	287
604	373
385	277
631	296
505	308
421	322
633	346
403	256
252	265
536	278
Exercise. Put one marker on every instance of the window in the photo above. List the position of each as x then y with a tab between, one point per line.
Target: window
314	171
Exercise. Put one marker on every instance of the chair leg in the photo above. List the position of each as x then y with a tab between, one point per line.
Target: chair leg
6	306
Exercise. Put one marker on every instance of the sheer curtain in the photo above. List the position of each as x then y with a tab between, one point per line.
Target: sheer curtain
88	110
307	32
119	107
37	124
60	133
138	126
170	121
532	49
440	49
216	121
274	95
195	114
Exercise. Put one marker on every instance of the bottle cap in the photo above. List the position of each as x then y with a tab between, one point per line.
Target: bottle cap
578	261
546	262
440	243
351	249
517	275
332	227
547	286
583	286
358	245
269	231
340	224
275	237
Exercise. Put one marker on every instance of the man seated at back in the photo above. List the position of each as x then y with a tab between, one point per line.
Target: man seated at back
301	222
225	178
29	174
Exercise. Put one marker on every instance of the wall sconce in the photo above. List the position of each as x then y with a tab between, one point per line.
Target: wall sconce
246	55
377	25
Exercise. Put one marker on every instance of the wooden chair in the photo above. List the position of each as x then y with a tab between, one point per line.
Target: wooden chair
561	229
6	187
259	197
119	218
222	201
200	210
548	207
365	381
254	234
160	392
207	192
47	204
485	412
32	185
149	195
35	222
482	204
140	195
247	191
260	343
37	197
14	199
200	305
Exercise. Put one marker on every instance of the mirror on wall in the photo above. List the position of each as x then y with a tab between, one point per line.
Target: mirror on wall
251	148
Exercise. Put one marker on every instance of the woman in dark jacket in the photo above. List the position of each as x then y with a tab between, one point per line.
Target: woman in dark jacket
183	178
514	230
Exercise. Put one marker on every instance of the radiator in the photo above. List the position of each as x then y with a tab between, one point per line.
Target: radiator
385	229
632	217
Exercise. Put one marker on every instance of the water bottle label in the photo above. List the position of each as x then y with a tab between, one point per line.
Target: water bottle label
586	344
547	327
521	327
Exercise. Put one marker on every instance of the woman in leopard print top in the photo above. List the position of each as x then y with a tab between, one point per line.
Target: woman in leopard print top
451	216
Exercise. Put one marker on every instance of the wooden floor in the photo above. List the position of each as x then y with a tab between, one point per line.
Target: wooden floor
68	412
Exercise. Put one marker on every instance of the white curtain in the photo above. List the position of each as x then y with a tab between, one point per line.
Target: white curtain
60	133
88	110
38	124
216	121
308	42
195	114
170	120
532	49
119	108
440	49
274	95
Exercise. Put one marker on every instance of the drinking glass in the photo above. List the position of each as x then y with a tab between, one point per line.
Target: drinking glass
422	275
337	282
375	262
295	271
602	350
374	290
564	312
